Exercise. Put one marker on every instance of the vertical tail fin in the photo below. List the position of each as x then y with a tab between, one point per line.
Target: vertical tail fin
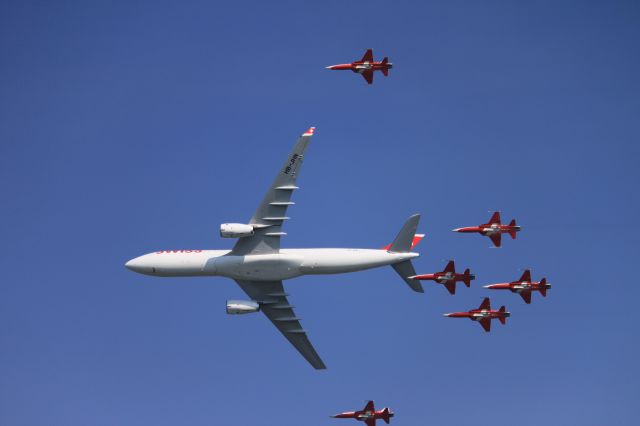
543	287
384	61
404	240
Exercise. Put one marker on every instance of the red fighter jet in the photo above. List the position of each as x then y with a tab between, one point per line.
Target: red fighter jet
524	286
366	66
448	277
494	229
368	414
484	314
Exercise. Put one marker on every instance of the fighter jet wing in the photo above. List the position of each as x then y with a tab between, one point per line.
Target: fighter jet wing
486	303
451	286
526	276
370	422
368	56
526	295
486	324
274	304
451	267
495	218
369	406
270	215
497	239
368	75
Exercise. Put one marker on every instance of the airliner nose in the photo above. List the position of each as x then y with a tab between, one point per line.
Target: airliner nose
132	265
137	265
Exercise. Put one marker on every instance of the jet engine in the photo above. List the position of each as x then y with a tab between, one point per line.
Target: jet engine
237	307
235	230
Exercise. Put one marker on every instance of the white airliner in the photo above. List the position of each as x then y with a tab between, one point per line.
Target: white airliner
259	265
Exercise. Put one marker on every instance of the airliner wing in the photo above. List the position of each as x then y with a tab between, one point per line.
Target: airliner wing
268	219
274	304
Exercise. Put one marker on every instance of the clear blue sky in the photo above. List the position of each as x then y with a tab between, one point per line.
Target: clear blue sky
129	127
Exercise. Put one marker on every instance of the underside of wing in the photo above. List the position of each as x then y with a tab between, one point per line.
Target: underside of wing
271	213
451	286
486	304
368	56
369	406
273	303
368	75
526	295
495	218
496	239
451	267
526	276
486	324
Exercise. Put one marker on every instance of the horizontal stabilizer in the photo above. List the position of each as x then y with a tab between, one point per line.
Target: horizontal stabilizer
405	270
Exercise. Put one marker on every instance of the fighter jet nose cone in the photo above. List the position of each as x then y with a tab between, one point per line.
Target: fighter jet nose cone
456	230
486	286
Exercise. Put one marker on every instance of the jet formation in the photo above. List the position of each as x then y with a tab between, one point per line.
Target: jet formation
366	66
493	229
368	414
483	315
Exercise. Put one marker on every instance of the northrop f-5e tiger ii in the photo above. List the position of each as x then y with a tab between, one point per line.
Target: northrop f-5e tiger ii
259	266
493	229
366	66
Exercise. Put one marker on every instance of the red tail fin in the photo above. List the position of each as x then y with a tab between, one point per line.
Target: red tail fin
385	415
543	288
467	277
385	60
385	72
512	232
503	320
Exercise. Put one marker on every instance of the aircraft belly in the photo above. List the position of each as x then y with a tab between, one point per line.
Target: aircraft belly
337	261
267	267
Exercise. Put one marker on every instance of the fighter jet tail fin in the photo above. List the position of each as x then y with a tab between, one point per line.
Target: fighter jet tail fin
543	287
512	232
385	415
467	277
503	320
385	71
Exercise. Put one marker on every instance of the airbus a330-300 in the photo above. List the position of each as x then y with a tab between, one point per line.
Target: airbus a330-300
259	265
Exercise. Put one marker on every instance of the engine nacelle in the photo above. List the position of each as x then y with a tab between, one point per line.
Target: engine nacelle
237	307
235	230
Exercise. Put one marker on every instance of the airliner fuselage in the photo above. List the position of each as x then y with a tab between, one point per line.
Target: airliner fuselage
288	263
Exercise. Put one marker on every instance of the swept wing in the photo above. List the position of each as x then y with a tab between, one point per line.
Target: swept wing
268	220
275	305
